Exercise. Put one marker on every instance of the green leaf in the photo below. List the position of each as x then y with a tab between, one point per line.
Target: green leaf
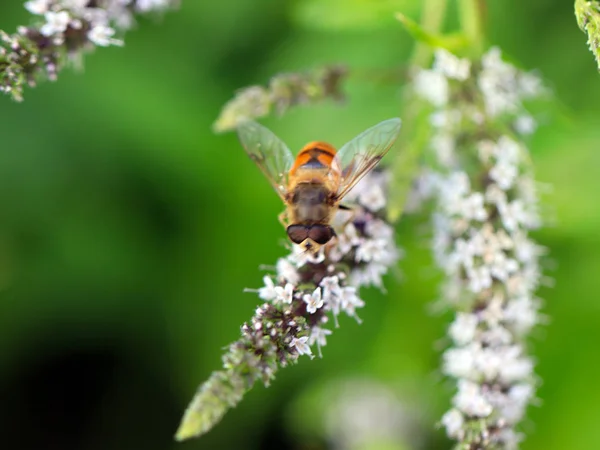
452	42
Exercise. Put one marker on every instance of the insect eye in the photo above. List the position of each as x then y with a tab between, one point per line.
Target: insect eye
321	234
297	233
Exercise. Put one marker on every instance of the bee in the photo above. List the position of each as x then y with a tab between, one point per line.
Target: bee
313	184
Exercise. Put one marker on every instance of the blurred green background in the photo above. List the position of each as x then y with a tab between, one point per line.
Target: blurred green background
128	230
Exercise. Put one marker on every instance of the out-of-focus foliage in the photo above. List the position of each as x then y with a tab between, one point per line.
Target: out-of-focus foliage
128	229
342	15
588	19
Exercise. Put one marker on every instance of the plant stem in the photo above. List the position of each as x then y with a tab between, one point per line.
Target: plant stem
434	13
471	21
405	166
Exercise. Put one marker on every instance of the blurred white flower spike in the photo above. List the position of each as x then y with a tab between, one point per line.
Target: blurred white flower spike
486	206
363	413
306	291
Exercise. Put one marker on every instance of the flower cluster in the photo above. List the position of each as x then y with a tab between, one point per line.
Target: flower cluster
300	299
486	205
284	91
364	413
64	28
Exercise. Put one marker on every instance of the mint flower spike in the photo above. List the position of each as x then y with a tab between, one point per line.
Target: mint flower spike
486	205
284	91
588	19
306	291
62	30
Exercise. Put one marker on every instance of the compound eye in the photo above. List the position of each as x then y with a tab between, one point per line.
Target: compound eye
297	233
321	234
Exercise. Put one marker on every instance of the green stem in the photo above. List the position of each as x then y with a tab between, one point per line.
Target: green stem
471	14
405	165
432	18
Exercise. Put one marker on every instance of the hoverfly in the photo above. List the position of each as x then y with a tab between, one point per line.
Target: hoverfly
313	184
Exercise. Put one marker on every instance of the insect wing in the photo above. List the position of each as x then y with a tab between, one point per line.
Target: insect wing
361	154
269	153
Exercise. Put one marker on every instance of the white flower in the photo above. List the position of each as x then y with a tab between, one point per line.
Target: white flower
451	66
102	35
496	335
267	292
507	151
331	288
495	196
287	271
285	294
514	403
432	86
37	6
525	124
526	250
498	83
470	401
515	368
301	346
462	330
494	312
472	207
319	335
501	266
514	215
300	256
504	174
443	144
445	118
460	362
454	187
148	5
372	198
489	361
313	301
521	314
479	278
521	393
75	4
370	275
510	438
530	85
463	255
373	250
349	301
380	229
453	421
56	22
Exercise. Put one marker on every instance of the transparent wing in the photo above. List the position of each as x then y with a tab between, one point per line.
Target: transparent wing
269	153
363	153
